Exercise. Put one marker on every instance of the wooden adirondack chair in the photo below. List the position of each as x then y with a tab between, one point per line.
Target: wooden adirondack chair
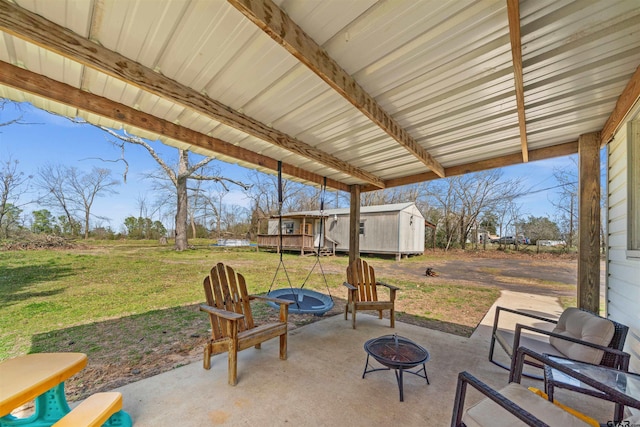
363	292
232	324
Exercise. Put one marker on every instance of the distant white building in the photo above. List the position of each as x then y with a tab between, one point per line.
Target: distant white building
395	229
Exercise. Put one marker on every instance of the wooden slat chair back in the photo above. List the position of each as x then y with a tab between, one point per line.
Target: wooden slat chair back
226	290
363	292
232	324
363	276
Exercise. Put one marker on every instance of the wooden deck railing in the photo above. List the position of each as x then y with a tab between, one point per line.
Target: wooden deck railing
289	241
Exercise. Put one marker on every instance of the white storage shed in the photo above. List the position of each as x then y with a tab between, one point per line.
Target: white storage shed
396	229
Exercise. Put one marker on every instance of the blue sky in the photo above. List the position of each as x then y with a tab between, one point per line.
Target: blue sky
55	140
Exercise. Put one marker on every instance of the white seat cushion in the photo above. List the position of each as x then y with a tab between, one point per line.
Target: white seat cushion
584	326
537	343
487	413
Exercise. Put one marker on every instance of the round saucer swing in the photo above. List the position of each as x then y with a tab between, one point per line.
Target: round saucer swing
306	301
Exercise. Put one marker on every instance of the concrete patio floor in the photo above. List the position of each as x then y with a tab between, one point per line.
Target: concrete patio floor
321	384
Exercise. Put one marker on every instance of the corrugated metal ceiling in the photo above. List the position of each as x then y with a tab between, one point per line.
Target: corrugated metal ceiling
442	70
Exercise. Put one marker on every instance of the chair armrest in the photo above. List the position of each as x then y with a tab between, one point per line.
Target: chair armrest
275	300
349	286
393	288
524	314
227	315
500	309
622	357
465	378
516	374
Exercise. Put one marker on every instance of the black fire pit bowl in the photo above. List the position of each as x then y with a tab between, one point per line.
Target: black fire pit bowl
398	353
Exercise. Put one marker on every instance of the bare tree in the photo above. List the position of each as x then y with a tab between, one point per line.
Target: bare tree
17	120
73	191
305	198
206	206
51	179
141	201
264	193
194	203
265	199
445	199
13	183
566	203
178	177
403	194
515	215
236	219
86	187
464	199
215	202
476	193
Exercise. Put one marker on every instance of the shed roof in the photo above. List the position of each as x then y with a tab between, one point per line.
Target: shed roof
393	207
378	93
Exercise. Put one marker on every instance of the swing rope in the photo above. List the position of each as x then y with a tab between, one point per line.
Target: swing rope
323	190
281	264
298	293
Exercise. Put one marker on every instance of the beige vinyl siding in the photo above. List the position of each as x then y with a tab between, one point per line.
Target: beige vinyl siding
623	270
633	155
338	230
380	232
411	230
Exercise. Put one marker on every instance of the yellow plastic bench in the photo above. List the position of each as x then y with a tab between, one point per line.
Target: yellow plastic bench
93	411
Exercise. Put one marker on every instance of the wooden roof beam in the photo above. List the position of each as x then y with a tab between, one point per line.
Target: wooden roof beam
35	29
513	13
560	150
275	22
45	87
625	103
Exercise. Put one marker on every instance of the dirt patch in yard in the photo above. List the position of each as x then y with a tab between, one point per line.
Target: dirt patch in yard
538	274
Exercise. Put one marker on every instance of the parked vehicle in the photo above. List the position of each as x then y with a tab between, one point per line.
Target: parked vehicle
511	240
551	243
505	240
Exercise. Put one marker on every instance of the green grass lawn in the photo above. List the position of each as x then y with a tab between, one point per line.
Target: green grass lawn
46	291
127	300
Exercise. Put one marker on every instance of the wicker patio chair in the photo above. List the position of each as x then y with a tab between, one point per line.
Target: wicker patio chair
514	404
578	335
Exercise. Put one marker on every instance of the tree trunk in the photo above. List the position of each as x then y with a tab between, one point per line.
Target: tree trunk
194	232
181	215
86	225
72	228
463	234
182	206
571	223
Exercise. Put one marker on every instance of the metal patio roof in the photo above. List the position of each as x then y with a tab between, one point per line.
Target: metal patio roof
375	93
